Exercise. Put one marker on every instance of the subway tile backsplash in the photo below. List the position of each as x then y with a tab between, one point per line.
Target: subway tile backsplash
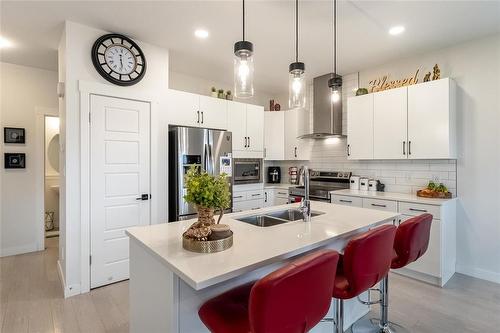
402	176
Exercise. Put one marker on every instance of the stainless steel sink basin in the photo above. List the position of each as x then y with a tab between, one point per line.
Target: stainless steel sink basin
275	218
292	214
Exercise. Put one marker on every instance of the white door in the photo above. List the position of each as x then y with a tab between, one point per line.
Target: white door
429	120
236	123
183	108
360	127
255	128
213	112
390	124
274	135
120	176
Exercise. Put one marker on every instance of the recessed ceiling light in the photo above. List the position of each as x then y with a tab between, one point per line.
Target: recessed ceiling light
201	33
396	30
4	43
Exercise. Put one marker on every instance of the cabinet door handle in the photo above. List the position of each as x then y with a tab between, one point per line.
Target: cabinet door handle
249	142
378	205
409	147
404	147
418	210
238	197
246	145
265	196
348	150
198	119
347	201
283	193
295	151
202	117
256	195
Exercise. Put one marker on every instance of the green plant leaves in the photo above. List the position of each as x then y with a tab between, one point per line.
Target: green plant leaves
206	190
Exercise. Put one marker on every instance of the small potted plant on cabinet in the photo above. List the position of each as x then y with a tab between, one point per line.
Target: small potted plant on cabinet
221	93
213	92
209	193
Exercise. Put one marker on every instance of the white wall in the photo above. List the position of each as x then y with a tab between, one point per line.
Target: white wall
475	66
23	89
197	85
75	64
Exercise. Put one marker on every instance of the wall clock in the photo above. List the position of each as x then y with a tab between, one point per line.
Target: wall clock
118	59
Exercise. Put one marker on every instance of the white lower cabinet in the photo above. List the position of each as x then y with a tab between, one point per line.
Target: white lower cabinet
437	265
347	201
275	197
248	199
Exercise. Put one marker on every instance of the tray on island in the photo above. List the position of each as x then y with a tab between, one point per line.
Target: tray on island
434	194
209	246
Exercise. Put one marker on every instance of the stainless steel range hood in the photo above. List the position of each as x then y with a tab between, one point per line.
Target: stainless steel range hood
327	116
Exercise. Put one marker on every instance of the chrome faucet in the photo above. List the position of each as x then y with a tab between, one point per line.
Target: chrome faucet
305	205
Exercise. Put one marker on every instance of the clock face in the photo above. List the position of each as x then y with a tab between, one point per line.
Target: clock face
118	59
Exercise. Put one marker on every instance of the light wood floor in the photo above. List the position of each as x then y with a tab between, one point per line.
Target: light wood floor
31	300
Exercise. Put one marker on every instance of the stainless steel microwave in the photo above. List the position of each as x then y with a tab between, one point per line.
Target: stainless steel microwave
247	170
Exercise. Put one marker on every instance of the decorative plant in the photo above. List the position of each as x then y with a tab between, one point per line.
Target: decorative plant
221	91
208	193
214	89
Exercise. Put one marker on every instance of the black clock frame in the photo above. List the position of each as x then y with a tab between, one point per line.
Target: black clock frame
97	64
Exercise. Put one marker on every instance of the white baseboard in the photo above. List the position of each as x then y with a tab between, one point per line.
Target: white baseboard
68	291
12	251
479	273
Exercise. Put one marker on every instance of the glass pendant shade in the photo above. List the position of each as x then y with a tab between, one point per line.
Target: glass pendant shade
243	69
297	86
335	96
335	84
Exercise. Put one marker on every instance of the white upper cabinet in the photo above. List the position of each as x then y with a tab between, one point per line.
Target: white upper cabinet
183	108
431	120
186	109
414	122
389	124
246	122
274	136
213	112
295	148
255	128
360	127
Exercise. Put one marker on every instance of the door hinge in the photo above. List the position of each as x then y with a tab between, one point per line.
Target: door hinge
90	260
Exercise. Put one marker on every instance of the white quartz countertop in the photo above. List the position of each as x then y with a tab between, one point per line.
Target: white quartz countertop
392	196
253	247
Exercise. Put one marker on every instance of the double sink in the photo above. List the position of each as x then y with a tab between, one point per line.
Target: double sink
275	218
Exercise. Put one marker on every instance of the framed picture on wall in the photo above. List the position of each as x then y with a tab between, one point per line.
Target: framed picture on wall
13	135
15	160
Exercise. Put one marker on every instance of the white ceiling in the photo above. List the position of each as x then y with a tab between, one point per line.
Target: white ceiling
35	28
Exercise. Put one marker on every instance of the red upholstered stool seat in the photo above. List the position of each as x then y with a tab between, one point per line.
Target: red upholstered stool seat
366	260
292	299
410	243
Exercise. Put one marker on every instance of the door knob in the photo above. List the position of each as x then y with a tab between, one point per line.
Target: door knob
143	197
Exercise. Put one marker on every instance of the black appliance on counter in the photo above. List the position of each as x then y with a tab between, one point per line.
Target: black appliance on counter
273	175
321	183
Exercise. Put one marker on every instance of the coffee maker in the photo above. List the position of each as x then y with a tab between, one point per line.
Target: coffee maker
273	175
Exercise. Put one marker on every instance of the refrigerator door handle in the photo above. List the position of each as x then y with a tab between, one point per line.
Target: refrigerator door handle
211	161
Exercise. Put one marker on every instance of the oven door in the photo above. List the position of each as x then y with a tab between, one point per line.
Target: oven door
247	171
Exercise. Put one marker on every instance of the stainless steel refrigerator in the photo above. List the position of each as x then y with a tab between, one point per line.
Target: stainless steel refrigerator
211	150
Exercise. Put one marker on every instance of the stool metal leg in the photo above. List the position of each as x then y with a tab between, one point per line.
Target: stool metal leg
339	316
381	325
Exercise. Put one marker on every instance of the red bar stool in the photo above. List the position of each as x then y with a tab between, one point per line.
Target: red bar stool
410	243
292	299
366	261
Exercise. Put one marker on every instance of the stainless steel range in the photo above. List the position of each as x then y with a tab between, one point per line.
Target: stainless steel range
322	182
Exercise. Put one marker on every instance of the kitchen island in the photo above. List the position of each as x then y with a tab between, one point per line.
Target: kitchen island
168	284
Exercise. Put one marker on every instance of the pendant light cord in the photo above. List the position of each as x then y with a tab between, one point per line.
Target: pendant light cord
335	37
296	30
243	20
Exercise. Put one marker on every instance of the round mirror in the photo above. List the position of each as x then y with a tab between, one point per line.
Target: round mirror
53	152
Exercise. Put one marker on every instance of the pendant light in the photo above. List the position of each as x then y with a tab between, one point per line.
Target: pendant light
335	82
243	65
297	76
